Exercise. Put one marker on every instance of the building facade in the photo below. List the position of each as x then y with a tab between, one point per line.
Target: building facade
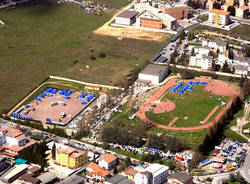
202	61
70	157
218	17
242	12
108	161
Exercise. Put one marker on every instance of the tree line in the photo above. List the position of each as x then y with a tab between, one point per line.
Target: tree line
165	143
123	137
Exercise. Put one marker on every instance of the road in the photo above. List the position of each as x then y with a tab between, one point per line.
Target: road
245	170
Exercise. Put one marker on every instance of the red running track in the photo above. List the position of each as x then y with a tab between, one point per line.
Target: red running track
216	87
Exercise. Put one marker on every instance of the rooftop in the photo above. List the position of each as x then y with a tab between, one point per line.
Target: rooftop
130	171
47	177
29	178
240	67
128	14
244	8
156	168
109	158
74	179
14	171
148	15
118	179
221	12
96	170
73	152
154	69
183	177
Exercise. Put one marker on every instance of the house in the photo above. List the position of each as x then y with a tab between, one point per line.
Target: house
108	161
203	61
153	73
13	141
130	173
127	17
215	45
47	178
70	157
180	178
242	12
143	178
159	173
94	171
218	17
119	179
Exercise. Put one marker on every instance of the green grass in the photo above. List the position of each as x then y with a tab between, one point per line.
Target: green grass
236	116
233	135
195	107
192	43
47	38
239	31
126	153
190	138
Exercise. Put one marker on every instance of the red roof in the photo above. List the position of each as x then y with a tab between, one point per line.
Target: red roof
109	158
9	154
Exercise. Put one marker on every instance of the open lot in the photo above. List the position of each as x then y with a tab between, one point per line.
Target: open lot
50	38
240	31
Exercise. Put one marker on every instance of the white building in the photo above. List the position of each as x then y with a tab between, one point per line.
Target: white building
127	17
203	61
201	50
108	161
153	73
218	17
241	70
222	58
143	178
215	45
159	173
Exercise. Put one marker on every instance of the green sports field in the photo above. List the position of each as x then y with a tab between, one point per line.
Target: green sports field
191	108
48	38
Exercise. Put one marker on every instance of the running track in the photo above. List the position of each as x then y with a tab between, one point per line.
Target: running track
141	113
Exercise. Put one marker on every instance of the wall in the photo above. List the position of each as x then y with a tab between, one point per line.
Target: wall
157	24
121	20
177	12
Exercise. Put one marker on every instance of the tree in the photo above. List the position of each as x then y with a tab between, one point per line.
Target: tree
172	59
231	9
102	55
217	6
247	51
192	52
115	171
182	35
53	151
191	36
127	161
230	53
187	75
225	68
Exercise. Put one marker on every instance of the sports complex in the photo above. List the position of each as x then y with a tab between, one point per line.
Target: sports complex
188	105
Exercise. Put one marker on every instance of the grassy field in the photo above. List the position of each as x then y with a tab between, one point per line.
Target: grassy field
240	31
50	39
233	135
191	109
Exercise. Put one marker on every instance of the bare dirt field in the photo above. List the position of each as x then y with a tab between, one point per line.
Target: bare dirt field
132	33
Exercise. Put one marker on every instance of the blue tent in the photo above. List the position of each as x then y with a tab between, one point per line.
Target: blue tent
190	82
197	82
204	83
66	97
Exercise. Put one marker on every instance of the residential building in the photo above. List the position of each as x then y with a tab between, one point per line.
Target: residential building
230	2
94	171
143	178
245	61
130	173
13	141
127	17
242	12
201	50
241	70
119	179
159	173
222	58
153	73
108	161
224	7
218	17
210	4
70	157
215	45
203	61
180	178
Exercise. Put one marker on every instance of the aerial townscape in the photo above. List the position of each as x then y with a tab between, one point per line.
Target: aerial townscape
124	92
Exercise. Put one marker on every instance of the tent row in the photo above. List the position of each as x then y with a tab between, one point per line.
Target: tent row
16	115
65	92
177	86
198	83
186	87
88	99
52	90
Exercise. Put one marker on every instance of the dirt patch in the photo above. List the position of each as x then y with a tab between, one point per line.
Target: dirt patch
163	107
125	32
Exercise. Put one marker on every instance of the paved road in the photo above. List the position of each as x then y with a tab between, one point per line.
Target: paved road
245	171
